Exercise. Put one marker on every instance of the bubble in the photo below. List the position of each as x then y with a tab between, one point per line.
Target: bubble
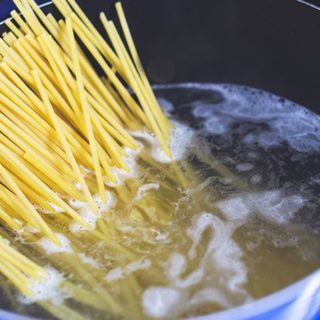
145	188
284	120
181	137
47	288
89	260
159	302
51	248
166	105
234	208
176	265
242	167
119	273
215	125
275	207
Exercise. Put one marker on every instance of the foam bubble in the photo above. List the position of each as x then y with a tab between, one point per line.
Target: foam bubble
55	207
234	208
103	207
161	237
159	302
176	265
88	260
271	205
77	204
145	188
246	122
181	137
219	272
122	175
76	227
222	251
214	124
200	224
51	248
166	105
119	273
275	207
88	216
86	212
46	289
286	121
242	167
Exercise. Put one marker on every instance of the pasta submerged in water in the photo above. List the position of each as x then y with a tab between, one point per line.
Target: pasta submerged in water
108	209
62	126
69	147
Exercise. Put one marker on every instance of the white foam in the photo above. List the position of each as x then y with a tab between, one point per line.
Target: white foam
220	272
76	227
222	250
273	206
181	138
78	186
156	150
214	124
285	120
103	207
119	273
159	302
242	167
88	216
55	207
77	204
166	105
88	260
122	175
176	265
138	265
51	248
234	208
47	289
115	274
268	139
86	212
145	188
161	237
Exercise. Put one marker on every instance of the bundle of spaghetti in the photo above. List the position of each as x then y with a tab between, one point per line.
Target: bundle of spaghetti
17	268
63	128
65	134
95	292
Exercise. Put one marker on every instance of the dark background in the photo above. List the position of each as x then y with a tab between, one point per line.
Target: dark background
270	44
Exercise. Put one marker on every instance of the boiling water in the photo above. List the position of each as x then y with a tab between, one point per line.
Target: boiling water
233	217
